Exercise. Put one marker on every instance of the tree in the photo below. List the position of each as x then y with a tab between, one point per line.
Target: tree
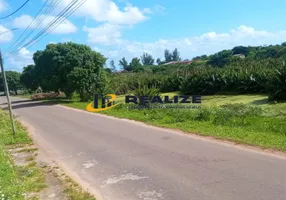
13	81
284	44
87	82
168	56
135	65
112	66
147	59
29	78
220	59
124	64
158	61
240	50
57	61
202	57
176	55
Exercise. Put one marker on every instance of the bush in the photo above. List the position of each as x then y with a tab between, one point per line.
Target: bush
50	95
277	84
146	91
203	115
235	114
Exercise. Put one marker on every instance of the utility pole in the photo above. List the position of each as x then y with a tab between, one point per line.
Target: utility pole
7	94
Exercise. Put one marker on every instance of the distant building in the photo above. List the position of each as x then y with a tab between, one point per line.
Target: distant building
239	55
178	62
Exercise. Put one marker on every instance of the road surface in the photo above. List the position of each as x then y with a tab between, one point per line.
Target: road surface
124	160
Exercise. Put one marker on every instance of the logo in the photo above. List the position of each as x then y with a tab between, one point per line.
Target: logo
177	102
107	102
166	99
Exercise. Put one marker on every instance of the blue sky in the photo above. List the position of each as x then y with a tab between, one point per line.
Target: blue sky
118	28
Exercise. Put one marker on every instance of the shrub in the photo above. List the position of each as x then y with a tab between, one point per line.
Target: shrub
203	114
146	91
235	114
277	84
50	95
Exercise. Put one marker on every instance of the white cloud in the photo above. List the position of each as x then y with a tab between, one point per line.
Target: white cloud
64	27
109	12
22	21
106	34
3	5
155	9
19	60
190	47
6	36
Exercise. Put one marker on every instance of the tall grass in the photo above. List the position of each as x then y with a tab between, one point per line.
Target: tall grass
239	77
16	181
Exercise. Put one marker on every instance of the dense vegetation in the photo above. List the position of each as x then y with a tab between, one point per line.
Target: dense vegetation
67	67
13	80
242	70
70	67
80	72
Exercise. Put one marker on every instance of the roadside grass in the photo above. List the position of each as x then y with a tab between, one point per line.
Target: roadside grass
16	182
74	191
245	119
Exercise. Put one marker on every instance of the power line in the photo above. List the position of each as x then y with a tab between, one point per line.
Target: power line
41	32
35	23
8	31
15	10
61	20
66	12
26	29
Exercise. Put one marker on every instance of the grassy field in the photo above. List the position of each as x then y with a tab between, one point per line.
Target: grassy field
249	119
16	181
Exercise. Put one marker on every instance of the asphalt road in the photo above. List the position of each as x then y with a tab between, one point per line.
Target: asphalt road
124	160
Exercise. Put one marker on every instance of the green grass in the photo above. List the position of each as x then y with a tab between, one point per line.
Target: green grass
74	191
16	181
266	129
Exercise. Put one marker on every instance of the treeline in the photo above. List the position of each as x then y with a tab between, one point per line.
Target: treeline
241	70
70	68
139	64
266	76
13	81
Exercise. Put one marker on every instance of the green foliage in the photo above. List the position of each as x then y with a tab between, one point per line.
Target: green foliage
144	90
203	115
16	181
147	59
158	61
277	84
124	64
29	78
87	82
240	50
220	59
135	65
112	66
202	57
67	67
235	114
176	55
13	81
168	56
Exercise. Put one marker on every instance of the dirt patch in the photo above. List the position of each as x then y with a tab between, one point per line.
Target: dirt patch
58	185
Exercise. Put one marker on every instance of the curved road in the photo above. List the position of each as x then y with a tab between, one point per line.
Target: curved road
125	160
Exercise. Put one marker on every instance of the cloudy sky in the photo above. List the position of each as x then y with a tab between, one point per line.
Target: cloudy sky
118	28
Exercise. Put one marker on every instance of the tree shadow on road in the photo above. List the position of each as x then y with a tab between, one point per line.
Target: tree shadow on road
30	104
18	101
